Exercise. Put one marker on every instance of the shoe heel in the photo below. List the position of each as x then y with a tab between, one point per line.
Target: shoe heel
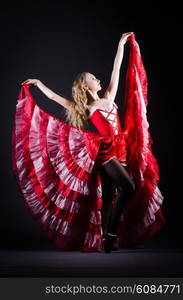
108	243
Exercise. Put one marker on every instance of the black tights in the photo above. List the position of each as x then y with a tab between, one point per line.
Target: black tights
114	173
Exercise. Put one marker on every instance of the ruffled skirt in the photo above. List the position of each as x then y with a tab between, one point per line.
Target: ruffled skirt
111	147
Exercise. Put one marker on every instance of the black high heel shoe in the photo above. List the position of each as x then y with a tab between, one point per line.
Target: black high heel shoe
108	242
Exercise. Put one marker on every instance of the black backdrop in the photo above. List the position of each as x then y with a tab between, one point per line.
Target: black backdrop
55	41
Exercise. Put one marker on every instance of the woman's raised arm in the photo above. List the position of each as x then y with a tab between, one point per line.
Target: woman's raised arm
114	81
49	93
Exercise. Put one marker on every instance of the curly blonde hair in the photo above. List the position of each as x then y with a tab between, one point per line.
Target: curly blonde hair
78	113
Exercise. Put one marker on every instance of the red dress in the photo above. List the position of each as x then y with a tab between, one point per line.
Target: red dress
56	168
113	143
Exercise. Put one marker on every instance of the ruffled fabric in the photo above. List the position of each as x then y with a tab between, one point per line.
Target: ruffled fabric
55	166
143	216
112	147
53	162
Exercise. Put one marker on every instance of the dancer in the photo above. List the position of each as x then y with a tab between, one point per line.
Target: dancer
110	165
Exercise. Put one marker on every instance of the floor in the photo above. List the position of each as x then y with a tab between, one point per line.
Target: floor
122	263
161	256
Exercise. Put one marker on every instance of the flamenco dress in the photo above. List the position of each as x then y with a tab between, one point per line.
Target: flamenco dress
113	144
56	167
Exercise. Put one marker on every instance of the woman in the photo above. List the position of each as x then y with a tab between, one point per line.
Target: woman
110	159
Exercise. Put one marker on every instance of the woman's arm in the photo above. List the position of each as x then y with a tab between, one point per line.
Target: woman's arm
114	81
49	93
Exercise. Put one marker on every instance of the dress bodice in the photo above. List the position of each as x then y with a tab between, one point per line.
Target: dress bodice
106	120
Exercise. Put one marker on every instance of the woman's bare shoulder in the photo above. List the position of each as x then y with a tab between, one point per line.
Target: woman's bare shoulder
106	102
103	103
100	103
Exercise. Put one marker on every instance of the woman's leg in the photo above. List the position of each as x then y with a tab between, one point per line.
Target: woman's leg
107	195
115	172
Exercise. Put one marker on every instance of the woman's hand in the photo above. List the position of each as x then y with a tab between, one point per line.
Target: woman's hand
124	38
31	82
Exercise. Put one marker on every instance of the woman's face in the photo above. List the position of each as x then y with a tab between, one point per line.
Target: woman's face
92	83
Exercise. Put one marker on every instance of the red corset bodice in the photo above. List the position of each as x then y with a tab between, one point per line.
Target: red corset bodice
106	121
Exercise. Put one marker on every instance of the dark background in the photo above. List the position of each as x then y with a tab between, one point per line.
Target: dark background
53	42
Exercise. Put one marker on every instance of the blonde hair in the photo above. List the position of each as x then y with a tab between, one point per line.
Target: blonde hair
77	115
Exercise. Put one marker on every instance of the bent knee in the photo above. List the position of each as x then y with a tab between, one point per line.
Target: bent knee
129	186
